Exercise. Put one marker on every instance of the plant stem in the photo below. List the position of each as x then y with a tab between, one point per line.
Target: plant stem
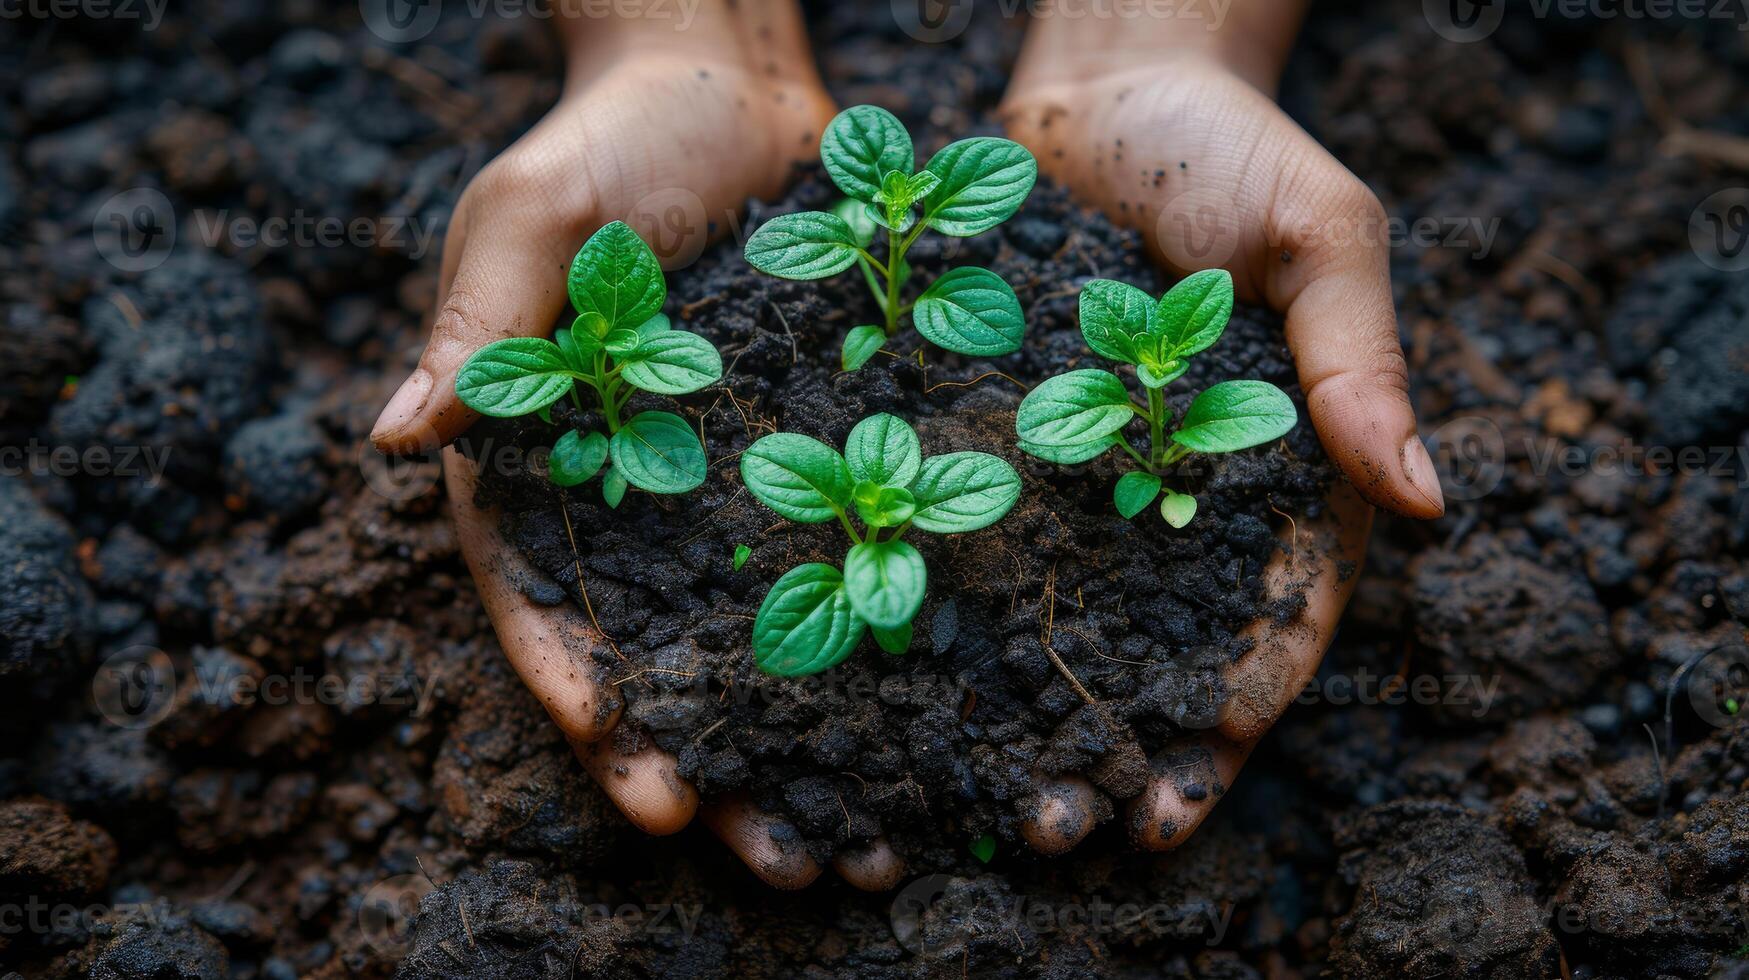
844	519
1156	427
1125	445
895	254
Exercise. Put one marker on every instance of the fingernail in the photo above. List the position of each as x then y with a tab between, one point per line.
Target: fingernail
407	402
1418	466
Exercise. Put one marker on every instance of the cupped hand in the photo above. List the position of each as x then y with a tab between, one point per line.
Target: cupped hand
1214	175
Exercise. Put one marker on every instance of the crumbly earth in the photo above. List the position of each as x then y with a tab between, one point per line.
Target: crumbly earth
956	733
1555	787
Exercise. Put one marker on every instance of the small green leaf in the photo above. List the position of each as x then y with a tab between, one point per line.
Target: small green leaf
855	214
860	344
963	492
655	325
1159	375
1134	491
883	449
613	488
900	191
621	341
971	311
1236	415
807	245
1069	455
880	506
1073	408
1192	314
983	182
588	333
984	848
901	221
742	553
861	145
1178	508
800	478
576	457
513	377
616	275
658	452
898	641
1114	318
806	623
673	362
885	581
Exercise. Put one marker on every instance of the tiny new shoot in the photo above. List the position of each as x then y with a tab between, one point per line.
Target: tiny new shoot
1076	416
815	615
619	344
966	189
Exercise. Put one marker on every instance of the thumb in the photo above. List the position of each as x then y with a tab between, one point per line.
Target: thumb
1334	282
507	281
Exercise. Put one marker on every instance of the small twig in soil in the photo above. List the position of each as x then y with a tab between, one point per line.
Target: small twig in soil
720	722
704	524
1050	622
129	311
968	384
1097	653
794	353
655	670
1658	759
466	926
1294	547
582	588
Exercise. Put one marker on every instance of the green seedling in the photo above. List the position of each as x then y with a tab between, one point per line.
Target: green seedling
815	615
966	189
984	848
742	553
1077	416
619	344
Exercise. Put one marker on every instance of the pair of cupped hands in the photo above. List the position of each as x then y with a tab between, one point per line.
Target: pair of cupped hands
711	123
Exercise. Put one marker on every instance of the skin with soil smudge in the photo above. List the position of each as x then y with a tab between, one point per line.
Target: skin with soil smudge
1141	615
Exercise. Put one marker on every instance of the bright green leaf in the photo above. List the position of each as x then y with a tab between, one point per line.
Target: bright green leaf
1073	408
861	145
658	452
855	214
1236	415
860	344
1134	491
806	623
894	642
616	275
1114	317
742	553
576	458
963	492
971	311
657	324
983	182
800	478
984	848
880	506
513	377
1160	375
672	363
1192	314
806	245
621	341
1069	455
1178	508
900	221
885	581
613	488
883	449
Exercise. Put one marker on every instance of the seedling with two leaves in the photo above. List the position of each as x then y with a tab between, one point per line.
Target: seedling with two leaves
619	344
1075	417
815	615
966	189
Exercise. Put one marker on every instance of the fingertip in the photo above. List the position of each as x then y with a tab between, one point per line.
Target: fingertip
875	867
769	846
1423	478
1368	428
402	413
643	784
1063	815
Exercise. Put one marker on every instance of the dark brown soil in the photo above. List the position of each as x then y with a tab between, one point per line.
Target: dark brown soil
948	742
1586	819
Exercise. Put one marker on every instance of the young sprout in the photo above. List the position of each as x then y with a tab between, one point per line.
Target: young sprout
967	188
619	344
815	615
1076	416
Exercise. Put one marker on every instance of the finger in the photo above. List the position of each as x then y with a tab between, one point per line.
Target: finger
875	867
1323	558
507	280
769	845
549	647
1334	282
643	783
1190	777
1061	814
